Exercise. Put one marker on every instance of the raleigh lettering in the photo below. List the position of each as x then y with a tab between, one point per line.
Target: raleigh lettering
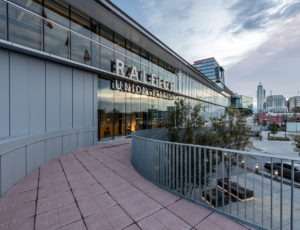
132	73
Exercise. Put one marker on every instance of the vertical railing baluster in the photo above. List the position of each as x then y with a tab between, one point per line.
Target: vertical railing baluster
170	165
217	159
281	186
173	166
200	173
245	185
262	195
210	177
271	211
237	184
185	169
223	172
181	169
253	185
229	179
195	175
292	193
177	172
190	170
205	162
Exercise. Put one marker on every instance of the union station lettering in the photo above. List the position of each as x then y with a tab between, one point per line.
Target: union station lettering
143	90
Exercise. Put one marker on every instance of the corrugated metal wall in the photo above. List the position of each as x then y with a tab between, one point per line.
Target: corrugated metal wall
46	110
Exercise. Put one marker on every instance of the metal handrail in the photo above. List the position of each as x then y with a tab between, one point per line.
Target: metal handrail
232	182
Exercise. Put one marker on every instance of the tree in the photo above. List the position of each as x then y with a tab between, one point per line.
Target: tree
296	109
264	123
274	128
184	122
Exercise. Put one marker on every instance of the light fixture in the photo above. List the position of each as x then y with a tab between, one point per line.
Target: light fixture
256	168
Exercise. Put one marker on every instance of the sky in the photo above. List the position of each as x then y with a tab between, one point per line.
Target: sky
255	40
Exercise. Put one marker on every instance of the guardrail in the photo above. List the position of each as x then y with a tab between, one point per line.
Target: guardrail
245	186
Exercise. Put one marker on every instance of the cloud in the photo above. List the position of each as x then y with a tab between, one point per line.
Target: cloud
275	63
225	29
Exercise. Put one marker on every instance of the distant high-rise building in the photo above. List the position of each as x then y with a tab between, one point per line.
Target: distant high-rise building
244	102
293	102
261	97
276	104
210	68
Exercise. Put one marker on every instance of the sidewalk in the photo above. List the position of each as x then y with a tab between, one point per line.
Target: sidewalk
97	188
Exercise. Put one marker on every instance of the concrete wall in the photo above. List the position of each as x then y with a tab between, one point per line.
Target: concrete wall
46	110
293	126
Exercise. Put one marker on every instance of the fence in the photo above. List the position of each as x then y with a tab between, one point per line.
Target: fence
245	186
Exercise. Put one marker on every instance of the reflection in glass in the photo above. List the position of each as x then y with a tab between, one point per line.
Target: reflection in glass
128	108
105	109
25	29
136	112
119	113
57	40
81	47
107	55
96	48
144	112
3	22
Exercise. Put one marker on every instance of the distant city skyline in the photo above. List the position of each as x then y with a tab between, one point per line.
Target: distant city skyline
256	41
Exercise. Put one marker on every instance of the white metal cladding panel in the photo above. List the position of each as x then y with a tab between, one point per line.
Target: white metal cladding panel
4	94
88	139
73	142
66	144
13	168
88	95
37	96
19	94
77	98
52	97
66	97
50	154
57	147
36	156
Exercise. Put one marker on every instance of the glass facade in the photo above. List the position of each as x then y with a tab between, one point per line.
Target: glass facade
54	27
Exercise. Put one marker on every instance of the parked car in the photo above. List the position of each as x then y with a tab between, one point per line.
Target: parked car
287	166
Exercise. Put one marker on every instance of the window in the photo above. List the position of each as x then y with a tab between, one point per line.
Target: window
3	21
107	54
119	113
24	28
105	109
57	39
81	46
128	113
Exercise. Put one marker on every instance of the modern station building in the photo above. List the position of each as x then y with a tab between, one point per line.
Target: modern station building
77	72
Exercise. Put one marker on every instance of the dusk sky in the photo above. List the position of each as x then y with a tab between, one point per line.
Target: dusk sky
255	40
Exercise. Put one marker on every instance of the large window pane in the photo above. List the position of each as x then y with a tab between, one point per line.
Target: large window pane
128	108
81	47
136	112
107	54
3	22
105	108
119	115
24	28
32	5
144	112
57	40
96	48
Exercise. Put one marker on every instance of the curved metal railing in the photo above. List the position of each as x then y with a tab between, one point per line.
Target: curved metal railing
246	186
